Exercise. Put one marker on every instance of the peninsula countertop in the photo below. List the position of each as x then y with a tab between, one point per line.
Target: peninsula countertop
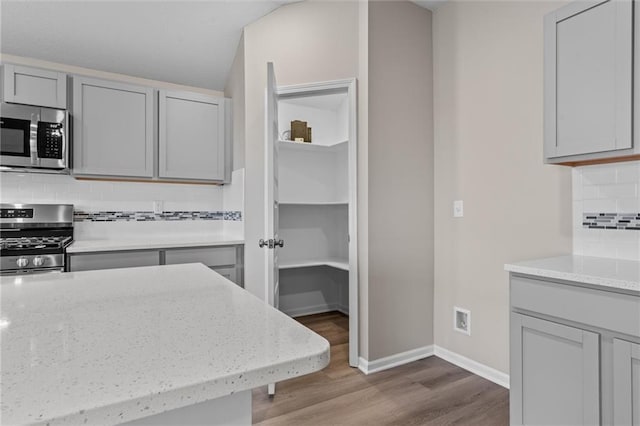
110	346
604	272
153	242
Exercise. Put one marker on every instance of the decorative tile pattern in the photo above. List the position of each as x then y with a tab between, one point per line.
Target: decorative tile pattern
234	216
624	221
147	216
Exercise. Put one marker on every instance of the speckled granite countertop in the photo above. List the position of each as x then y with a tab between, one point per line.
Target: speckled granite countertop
106	347
153	242
608	273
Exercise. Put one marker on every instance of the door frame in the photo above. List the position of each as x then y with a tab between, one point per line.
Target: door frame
350	85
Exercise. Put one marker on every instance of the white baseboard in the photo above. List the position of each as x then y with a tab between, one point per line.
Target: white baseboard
368	367
311	310
491	374
497	377
343	309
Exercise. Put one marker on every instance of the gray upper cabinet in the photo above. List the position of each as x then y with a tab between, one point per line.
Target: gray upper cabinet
555	373
191	136
588	81
33	86
626	383
112	129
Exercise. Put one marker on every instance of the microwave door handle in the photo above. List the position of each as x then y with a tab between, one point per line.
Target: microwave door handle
33	138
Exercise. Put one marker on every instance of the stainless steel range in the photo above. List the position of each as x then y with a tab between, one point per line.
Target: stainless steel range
33	237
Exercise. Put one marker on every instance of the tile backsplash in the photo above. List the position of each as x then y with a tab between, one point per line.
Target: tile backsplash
92	196
606	205
95	202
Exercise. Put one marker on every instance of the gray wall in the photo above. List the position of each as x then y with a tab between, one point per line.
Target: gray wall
307	41
234	89
318	41
488	152
400	178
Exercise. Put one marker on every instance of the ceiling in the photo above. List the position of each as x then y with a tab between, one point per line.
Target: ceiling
179	41
189	42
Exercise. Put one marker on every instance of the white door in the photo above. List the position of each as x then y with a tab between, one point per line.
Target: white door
271	191
273	241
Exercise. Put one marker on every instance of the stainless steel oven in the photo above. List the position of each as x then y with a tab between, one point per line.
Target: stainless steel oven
34	237
33	138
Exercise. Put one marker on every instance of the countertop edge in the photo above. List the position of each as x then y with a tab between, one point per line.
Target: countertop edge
577	277
158	403
131	246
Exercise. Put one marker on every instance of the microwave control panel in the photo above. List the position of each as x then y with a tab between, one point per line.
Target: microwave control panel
50	140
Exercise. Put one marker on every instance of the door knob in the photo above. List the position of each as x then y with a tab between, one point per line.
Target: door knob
271	243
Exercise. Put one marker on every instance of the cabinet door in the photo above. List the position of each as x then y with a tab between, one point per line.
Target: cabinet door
626	383
588	78
228	273
123	259
33	86
555	373
191	136
113	129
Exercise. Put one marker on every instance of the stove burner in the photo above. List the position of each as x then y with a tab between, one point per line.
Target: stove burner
26	243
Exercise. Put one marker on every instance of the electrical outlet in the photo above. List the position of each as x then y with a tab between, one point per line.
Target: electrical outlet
458	208
462	320
158	206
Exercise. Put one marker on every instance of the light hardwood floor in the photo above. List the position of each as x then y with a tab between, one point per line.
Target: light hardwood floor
426	392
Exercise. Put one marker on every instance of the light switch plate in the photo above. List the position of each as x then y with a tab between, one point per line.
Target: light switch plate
458	208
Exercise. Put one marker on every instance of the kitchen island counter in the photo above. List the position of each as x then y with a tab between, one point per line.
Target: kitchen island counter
113	346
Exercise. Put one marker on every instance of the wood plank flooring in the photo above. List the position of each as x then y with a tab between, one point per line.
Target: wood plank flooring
426	392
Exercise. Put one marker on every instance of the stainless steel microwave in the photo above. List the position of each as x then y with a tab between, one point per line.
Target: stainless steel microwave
33	138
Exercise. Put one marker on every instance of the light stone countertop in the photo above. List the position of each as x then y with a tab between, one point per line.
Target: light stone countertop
153	242
110	346
599	271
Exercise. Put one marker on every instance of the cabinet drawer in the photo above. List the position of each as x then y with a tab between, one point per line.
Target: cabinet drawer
602	309
89	262
223	256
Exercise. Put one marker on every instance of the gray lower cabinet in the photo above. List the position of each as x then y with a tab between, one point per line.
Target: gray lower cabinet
589	81
555	373
230	273
626	382
34	86
574	353
228	261
112	129
112	260
191	136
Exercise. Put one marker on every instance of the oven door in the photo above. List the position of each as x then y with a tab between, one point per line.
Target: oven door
18	140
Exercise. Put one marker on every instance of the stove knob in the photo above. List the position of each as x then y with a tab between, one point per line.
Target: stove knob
38	261
22	262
